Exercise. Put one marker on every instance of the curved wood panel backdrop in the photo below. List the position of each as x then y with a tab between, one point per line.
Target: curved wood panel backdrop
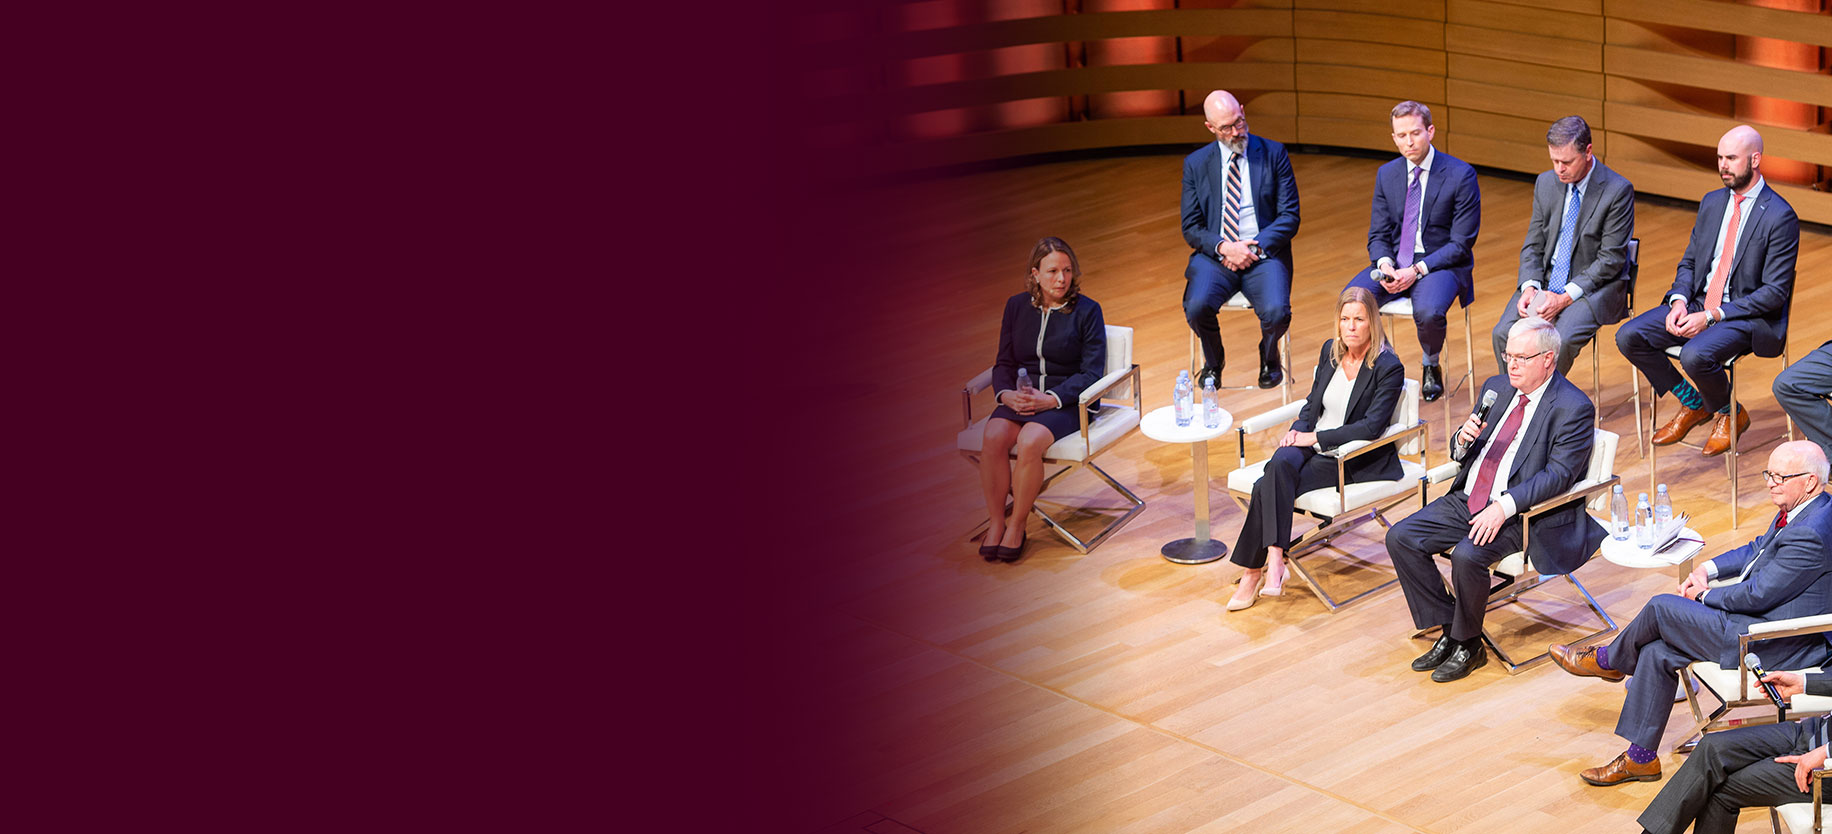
946	82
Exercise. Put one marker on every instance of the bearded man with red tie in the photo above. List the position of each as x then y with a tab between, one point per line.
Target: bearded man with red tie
1534	446
1730	296
1786	572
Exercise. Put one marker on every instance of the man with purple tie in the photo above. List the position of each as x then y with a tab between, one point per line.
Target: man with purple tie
1422	234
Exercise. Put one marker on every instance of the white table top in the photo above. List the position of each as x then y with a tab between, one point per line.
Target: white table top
1626	554
1161	425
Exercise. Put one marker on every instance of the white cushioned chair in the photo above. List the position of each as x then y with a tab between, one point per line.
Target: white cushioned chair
1735	687
1515	574
1402	308
1114	421
1345	504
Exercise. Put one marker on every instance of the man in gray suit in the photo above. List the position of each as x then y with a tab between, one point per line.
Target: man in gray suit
1786	572
1571	267
1748	767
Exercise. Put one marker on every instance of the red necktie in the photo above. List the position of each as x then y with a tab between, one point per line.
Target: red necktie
1491	460
1714	291
1780	519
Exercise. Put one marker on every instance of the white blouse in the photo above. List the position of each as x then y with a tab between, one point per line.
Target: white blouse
1335	402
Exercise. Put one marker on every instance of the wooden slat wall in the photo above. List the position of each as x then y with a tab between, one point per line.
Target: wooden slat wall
1658	80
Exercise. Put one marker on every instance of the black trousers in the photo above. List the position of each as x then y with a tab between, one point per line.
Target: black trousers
1443	525
1291	472
1728	771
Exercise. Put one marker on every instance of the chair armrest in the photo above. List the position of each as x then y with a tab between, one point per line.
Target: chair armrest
1442	472
1100	386
1356	448
973	386
1580	491
1270	419
1775	629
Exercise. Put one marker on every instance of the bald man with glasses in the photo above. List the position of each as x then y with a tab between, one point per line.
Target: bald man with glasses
1786	572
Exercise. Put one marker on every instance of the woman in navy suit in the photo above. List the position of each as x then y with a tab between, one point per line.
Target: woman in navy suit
1357	385
1058	337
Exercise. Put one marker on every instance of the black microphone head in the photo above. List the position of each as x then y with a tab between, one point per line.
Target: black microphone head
1751	661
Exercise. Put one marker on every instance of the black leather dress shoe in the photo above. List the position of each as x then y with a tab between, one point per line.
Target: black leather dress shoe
1465	658
1435	657
1270	376
1432	386
1208	373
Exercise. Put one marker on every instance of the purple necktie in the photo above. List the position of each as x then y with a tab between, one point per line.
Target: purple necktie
1409	225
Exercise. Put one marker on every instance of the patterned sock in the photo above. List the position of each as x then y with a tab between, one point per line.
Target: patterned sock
1641	755
1688	396
1603	658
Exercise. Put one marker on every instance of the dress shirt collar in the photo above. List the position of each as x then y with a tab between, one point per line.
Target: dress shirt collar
1534	395
1227	153
1583	184
1755	190
1431	153
1795	512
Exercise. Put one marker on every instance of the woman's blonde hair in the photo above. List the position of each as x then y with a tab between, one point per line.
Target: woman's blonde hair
1377	336
1042	250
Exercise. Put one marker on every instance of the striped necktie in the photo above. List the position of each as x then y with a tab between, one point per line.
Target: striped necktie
1230	212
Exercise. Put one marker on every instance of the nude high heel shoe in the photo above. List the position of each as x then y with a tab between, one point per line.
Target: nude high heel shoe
1244	598
1273	589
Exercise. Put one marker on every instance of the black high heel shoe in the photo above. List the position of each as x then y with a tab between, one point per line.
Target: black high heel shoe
1013	554
990	552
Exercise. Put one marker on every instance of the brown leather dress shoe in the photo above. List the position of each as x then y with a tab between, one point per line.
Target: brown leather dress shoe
1684	421
1719	442
1621	769
1582	662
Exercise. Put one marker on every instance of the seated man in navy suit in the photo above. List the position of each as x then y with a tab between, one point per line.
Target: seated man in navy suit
1240	212
1760	766
1422	234
1786	572
1536	446
1730	296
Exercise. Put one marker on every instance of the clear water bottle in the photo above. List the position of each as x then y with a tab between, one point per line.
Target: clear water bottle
1024	383
1618	515
1644	523
1211	405
1181	398
1663	507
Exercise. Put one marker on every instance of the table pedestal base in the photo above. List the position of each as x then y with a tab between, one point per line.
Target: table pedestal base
1193	551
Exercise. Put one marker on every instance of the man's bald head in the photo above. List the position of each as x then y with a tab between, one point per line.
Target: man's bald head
1739	156
1222	116
1801	456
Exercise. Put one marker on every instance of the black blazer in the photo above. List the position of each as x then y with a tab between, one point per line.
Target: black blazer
1372	398
1761	269
1554	454
1074	347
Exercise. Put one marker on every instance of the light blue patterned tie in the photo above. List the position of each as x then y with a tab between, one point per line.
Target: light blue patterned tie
1567	238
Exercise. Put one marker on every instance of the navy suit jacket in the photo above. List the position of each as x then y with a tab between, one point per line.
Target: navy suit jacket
1275	197
1073	346
1554	454
1761	268
1792	577
1599	255
1372	397
1451	216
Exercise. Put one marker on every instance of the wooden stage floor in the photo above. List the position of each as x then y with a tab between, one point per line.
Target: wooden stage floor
1111	691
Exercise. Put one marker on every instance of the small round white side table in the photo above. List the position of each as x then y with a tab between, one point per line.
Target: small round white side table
1161	425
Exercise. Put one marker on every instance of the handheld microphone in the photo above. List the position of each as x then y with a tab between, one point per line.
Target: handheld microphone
1460	448
1755	668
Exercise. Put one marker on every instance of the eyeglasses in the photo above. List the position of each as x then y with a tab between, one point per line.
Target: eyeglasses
1774	479
1235	126
1513	358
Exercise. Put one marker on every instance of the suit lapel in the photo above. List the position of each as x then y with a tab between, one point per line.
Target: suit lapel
1358	389
1714	205
1218	181
1533	433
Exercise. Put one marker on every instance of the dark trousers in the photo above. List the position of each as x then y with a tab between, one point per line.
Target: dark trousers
1644	341
1729	770
1291	472
1443	525
1267	285
1431	297
1576	326
1802	390
1670	632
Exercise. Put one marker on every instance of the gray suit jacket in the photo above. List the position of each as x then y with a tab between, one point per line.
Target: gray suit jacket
1606	221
